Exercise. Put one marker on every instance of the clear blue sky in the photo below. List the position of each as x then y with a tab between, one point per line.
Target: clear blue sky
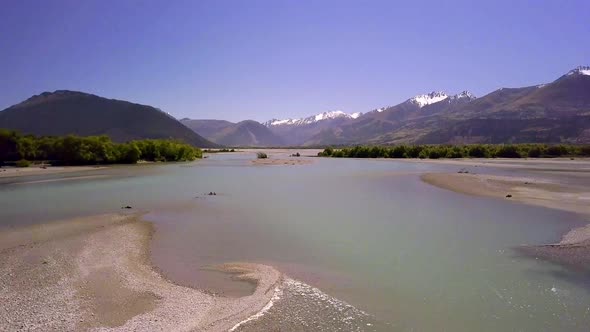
240	60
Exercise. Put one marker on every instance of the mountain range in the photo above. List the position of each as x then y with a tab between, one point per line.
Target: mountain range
548	113
244	133
555	112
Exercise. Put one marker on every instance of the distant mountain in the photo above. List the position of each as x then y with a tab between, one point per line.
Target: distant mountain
431	98
383	124
554	112
299	131
246	133
325	116
70	112
206	128
549	113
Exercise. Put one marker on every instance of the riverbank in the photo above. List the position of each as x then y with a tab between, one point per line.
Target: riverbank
538	164
95	273
6	172
533	189
282	161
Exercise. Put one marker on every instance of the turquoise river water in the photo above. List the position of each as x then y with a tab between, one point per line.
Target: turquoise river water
367	244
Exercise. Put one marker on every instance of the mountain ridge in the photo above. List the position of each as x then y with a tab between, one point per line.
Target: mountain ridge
246	133
554	112
328	115
65	112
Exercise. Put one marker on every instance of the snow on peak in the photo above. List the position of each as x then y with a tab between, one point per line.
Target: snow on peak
277	122
379	110
581	70
427	99
313	119
327	115
464	95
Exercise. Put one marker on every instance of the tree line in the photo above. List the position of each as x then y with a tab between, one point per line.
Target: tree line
460	151
91	150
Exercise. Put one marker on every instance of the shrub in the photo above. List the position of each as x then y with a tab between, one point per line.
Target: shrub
23	163
507	151
423	154
398	152
477	151
455	152
338	154
535	152
414	151
556	151
261	155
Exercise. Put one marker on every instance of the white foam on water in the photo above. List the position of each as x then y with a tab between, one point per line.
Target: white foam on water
310	291
275	297
347	312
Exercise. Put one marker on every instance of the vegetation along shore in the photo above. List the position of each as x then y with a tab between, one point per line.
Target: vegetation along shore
21	150
460	151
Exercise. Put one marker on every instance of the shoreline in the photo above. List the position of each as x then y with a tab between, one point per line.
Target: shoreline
574	247
8	172
282	161
96	273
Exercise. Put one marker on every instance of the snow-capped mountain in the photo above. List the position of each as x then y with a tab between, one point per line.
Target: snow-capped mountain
378	110
581	70
427	99
438	96
330	115
465	95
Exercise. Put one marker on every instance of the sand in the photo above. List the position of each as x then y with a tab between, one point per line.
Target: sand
537	189
37	170
94	274
282	157
543	164
282	161
532	190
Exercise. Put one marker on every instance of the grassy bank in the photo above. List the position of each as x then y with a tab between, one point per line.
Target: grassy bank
460	151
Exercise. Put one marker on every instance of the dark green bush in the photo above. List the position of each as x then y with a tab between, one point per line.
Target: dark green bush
398	152
507	151
556	151
455	152
535	152
338	154
261	155
477	151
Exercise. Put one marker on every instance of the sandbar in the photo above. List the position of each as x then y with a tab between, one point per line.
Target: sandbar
94	273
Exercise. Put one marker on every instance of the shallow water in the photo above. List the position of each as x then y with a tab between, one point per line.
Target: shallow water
406	255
